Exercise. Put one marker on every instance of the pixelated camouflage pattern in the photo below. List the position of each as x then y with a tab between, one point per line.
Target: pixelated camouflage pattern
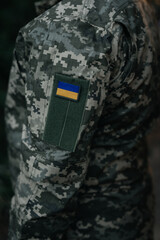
103	190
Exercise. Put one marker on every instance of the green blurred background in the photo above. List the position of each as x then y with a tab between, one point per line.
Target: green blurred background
13	15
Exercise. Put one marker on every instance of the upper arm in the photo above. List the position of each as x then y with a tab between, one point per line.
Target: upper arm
57	137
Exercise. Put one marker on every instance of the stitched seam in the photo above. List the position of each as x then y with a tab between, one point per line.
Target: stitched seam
120	9
64	122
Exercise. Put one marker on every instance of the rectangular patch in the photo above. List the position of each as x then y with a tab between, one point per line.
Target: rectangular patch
68	90
64	117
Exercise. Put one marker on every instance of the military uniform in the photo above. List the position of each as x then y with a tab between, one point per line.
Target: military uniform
82	96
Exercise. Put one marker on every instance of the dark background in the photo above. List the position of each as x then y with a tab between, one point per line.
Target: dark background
13	15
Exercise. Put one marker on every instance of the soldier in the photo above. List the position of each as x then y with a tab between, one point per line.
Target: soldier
82	96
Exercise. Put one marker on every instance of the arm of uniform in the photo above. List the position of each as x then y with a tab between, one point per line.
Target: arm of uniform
15	108
54	152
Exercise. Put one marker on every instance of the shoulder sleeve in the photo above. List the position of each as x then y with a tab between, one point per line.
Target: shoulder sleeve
45	201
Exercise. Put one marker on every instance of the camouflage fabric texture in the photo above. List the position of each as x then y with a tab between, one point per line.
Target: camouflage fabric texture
101	188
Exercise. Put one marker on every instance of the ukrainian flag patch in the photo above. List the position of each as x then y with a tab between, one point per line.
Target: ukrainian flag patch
68	90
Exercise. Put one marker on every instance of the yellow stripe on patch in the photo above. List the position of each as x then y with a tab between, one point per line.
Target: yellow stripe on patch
66	93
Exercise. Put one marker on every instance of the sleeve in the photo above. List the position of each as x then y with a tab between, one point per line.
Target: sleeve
15	108
45	200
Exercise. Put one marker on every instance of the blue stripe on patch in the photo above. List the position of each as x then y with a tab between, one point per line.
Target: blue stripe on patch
68	86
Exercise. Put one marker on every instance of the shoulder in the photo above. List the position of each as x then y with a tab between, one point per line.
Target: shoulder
36	28
100	13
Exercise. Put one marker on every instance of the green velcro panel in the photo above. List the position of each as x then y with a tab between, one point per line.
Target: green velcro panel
64	115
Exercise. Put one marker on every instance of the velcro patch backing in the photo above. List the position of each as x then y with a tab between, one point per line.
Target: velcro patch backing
65	111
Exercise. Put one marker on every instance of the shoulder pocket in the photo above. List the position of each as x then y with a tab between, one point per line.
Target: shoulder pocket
65	112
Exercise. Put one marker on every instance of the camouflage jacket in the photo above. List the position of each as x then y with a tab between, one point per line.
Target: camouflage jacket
83	77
